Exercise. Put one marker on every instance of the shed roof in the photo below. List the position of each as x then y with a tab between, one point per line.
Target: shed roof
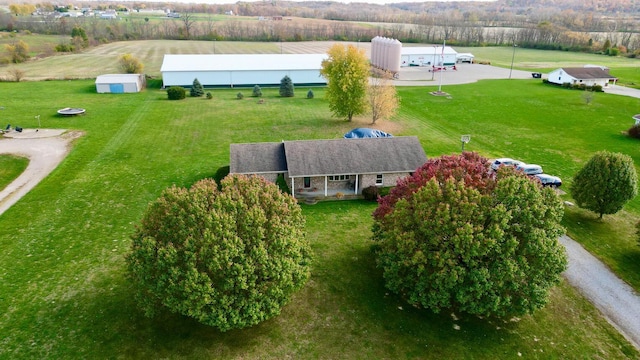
329	157
117	78
588	73
241	62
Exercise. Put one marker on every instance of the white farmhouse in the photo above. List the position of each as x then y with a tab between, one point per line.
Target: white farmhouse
229	70
588	76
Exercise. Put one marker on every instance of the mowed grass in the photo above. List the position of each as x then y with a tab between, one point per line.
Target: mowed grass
10	168
63	291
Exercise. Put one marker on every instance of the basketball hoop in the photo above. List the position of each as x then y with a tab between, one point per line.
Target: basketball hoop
464	139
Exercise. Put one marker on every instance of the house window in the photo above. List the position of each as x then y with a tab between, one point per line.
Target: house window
379	179
307	182
338	177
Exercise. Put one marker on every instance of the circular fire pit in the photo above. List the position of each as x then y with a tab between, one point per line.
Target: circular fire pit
71	111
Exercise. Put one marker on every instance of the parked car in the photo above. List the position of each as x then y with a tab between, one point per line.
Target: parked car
549	180
529	169
504	162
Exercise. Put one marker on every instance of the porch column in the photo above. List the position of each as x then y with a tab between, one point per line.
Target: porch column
293	187
325	185
355	189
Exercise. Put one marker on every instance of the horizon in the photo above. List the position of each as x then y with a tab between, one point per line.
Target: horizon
376	2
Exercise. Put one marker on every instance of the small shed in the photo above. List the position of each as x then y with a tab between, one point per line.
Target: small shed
120	83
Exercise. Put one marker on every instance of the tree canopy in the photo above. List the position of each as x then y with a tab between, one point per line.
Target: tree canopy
229	257
197	89
129	64
382	97
347	72
286	87
605	183
456	236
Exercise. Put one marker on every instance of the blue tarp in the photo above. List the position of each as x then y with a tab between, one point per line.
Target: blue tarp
360	133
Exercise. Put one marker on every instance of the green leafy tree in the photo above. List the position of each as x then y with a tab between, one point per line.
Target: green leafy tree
18	51
605	183
286	87
79	36
176	93
257	91
229	257
196	88
454	236
129	64
347	72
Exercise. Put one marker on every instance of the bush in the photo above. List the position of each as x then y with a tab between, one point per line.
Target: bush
209	96
634	131
197	89
310	94
370	193
454	236
221	173
239	96
176	93
597	88
64	47
286	87
229	257
257	92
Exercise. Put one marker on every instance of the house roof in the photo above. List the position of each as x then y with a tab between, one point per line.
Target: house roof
329	157
588	73
117	78
241	62
257	158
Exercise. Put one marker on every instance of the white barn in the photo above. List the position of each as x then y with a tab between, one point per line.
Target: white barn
120	83
428	56
229	70
589	76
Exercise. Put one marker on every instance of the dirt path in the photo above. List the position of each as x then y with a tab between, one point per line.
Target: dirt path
45	149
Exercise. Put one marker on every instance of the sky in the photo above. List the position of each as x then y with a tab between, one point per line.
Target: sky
379	2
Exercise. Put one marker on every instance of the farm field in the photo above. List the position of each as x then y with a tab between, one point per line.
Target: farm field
151	52
63	292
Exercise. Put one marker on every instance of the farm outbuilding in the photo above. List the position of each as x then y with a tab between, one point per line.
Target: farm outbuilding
229	70
428	56
120	83
587	76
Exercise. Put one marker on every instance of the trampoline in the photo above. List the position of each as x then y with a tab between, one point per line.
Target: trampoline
71	111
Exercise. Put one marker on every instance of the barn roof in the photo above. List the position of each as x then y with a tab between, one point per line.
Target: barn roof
427	50
241	62
329	157
588	73
117	78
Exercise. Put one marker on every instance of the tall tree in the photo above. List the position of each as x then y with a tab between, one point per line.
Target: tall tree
455	236
382	96
230	257
347	72
605	183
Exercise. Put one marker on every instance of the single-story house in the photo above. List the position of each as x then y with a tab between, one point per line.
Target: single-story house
428	56
588	76
120	83
326	167
229	70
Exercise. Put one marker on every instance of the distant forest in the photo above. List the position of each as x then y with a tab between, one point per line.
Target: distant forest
608	26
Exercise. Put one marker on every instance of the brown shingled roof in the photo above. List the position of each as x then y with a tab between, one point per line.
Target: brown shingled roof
588	73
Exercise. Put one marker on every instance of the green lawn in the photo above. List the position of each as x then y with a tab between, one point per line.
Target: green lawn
10	168
62	288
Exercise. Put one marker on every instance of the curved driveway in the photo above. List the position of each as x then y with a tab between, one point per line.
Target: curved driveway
44	148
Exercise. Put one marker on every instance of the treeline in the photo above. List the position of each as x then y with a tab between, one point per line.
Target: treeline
467	24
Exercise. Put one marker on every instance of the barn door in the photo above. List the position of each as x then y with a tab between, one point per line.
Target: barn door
116	88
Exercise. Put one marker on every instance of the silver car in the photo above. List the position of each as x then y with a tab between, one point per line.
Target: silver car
504	162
